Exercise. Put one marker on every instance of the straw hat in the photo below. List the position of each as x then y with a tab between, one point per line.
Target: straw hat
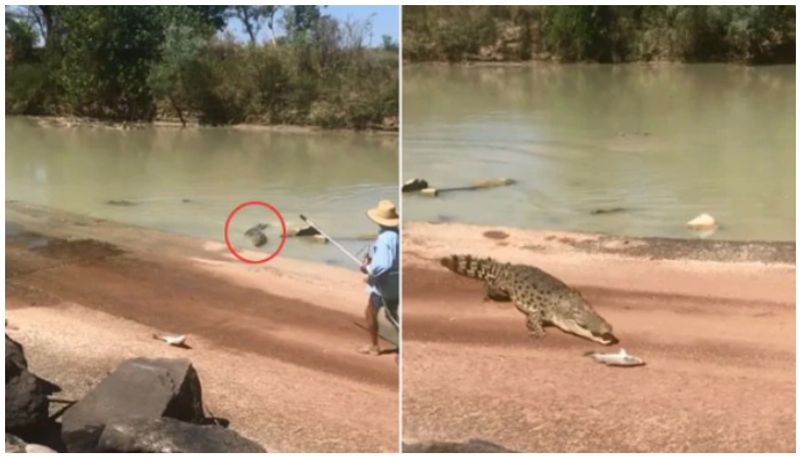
384	214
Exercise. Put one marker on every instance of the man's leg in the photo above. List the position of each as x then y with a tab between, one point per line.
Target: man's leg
392	308
371	316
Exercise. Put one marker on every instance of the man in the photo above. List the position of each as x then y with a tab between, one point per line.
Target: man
382	267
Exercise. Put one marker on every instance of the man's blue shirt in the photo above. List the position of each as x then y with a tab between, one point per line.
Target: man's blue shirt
384	269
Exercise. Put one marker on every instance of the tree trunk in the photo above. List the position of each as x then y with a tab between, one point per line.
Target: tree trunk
178	110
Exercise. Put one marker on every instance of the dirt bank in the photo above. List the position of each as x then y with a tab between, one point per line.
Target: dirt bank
718	337
274	345
389	127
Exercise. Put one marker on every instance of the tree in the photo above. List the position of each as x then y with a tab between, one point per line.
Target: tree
388	43
300	21
254	17
20	39
42	18
106	52
171	77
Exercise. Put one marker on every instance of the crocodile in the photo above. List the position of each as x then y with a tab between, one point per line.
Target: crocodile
256	235
544	299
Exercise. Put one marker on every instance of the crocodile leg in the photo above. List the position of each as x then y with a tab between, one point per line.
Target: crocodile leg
495	293
535	327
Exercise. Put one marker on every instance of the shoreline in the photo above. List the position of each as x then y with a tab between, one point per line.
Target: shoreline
274	345
531	62
58	121
654	248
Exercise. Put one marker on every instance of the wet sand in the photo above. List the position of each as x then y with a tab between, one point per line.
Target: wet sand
718	337
273	345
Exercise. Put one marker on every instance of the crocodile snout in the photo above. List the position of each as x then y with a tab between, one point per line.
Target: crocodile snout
608	339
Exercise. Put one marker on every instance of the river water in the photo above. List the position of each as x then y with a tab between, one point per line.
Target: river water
187	181
659	143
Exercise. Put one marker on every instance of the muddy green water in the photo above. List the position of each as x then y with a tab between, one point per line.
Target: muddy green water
663	142
187	181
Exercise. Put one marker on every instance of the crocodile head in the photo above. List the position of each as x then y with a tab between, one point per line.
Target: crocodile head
578	317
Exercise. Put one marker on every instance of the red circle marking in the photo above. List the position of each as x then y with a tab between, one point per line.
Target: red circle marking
269	207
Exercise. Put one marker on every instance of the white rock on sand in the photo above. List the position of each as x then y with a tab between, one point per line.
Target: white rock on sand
702	222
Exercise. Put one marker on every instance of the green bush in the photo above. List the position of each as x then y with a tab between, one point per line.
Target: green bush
26	88
748	34
136	63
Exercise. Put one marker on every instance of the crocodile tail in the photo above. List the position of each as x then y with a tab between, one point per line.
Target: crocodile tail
469	266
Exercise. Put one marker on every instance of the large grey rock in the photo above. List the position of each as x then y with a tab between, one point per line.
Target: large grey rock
17	445
14	354
14	444
26	393
170	435
472	445
141	387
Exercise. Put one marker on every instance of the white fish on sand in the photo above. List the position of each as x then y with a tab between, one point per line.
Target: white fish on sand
172	340
621	358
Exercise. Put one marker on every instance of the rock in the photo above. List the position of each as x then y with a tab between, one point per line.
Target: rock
140	387
702	222
256	235
169	435
390	123
472	445
33	448
14	444
14	353
26	394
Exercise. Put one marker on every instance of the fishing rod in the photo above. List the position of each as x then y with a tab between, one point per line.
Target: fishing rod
335	243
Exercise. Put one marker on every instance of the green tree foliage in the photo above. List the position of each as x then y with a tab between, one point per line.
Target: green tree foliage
20	39
106	53
27	79
176	75
747	34
144	62
578	32
106	59
254	17
388	43
450	33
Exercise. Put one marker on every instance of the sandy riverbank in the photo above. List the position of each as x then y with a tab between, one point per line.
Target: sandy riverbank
273	345
715	325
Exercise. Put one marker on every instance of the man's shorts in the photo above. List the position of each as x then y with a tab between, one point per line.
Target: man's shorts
376	301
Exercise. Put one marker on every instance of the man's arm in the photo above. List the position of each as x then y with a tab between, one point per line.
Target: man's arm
382	260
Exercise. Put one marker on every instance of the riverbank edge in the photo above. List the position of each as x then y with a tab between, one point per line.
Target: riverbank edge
76	121
479	62
779	253
41	220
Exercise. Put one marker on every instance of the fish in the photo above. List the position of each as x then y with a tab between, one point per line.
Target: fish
620	359
172	340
